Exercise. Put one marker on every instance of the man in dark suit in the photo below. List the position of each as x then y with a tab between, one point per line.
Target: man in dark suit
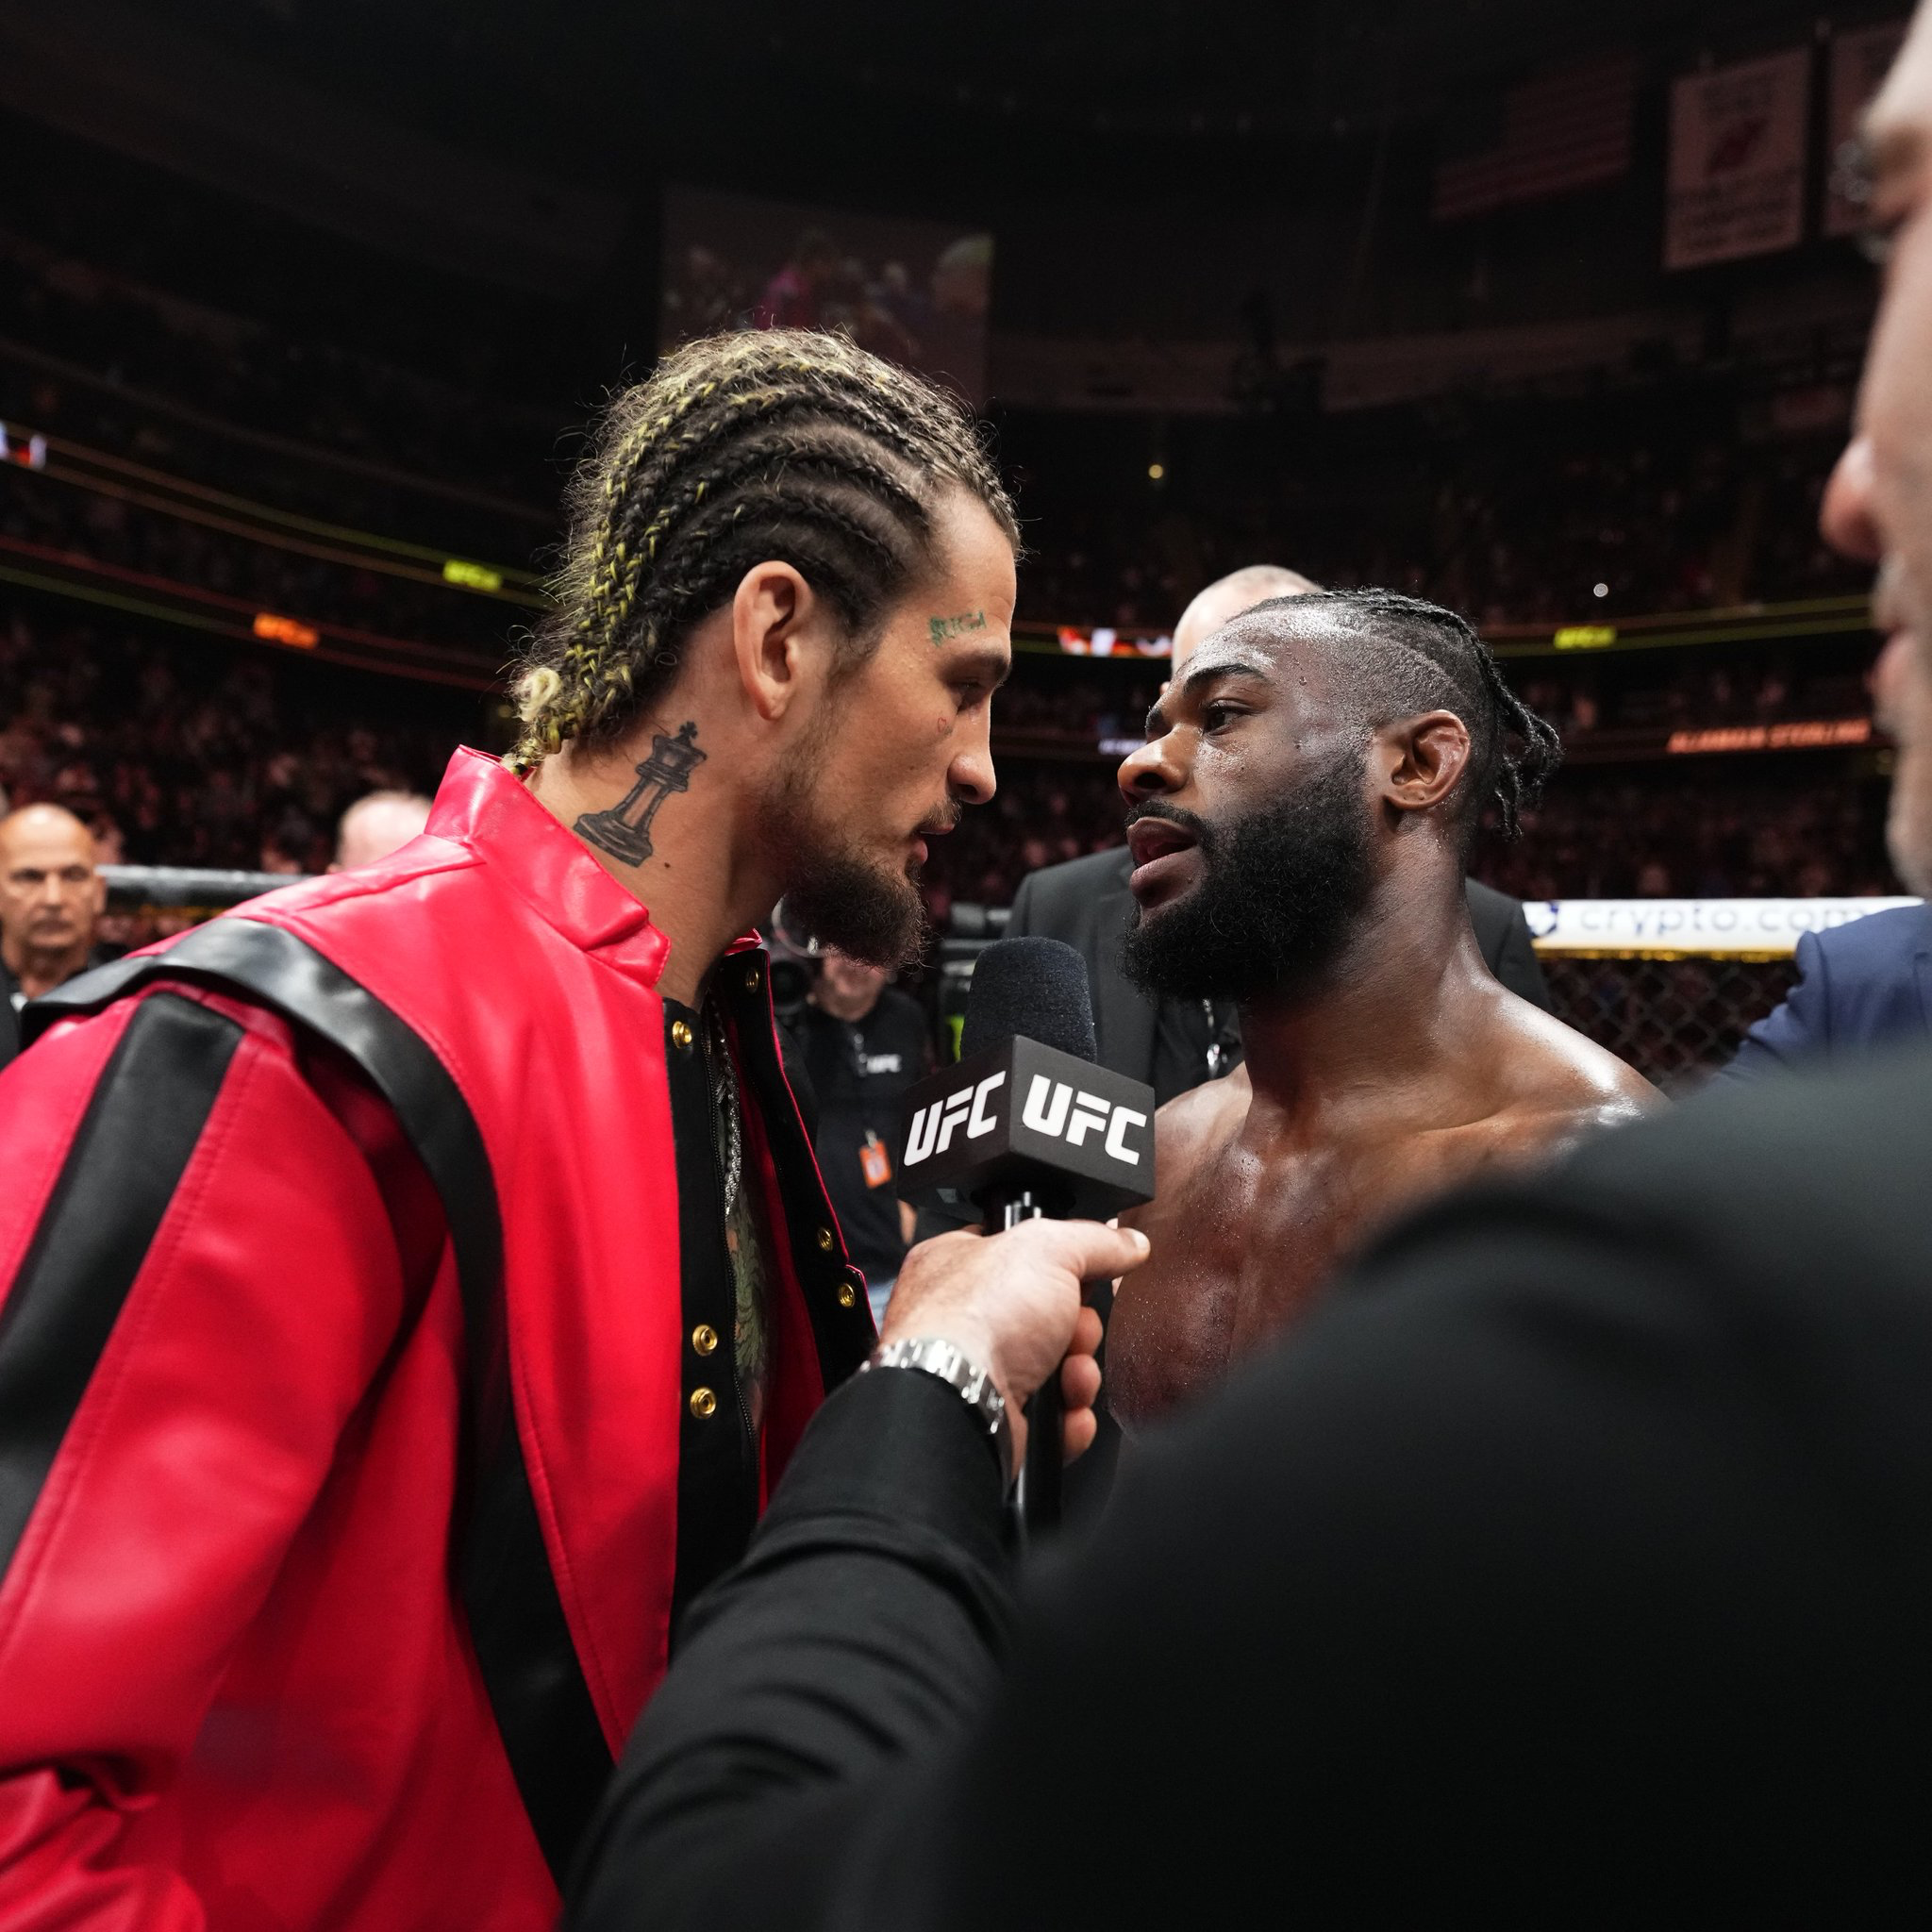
1174	1045
1863	985
1569	1558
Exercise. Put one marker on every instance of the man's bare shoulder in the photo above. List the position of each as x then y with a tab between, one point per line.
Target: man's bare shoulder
1202	1116
1553	1072
1188	1134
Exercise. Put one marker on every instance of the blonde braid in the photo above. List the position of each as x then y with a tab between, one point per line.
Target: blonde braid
741	448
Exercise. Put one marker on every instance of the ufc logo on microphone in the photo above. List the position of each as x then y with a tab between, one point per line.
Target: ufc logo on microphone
933	1126
1027	1117
1054	1107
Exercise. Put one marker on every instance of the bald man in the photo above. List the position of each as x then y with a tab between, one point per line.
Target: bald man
1172	1044
374	826
1225	598
51	896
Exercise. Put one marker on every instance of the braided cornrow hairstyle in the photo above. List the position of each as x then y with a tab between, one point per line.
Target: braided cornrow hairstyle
1418	656
764	445
1528	750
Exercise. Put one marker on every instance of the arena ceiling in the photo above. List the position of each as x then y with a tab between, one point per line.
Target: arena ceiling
926	103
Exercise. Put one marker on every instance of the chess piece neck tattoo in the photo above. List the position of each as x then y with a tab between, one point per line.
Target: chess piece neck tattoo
625	830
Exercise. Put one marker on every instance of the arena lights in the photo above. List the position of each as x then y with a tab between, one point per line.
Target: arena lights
285	630
26	449
1808	734
1104	642
1585	637
83	467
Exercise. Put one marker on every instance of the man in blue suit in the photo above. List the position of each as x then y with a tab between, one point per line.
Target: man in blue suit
1865	984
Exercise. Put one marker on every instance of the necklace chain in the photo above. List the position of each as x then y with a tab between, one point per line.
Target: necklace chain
726	1094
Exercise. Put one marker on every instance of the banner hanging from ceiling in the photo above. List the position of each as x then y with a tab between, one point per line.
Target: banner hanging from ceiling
1736	172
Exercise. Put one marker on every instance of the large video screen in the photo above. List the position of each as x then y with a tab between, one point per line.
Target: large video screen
916	291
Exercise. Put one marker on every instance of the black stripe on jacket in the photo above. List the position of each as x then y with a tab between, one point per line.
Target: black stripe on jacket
542	1705
142	1125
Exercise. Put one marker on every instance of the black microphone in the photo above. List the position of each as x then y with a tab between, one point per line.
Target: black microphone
1027	1124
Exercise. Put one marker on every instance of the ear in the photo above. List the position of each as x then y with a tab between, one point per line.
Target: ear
771	607
1423	760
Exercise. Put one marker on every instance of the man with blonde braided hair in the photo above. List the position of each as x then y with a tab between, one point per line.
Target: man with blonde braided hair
806	452
414	1282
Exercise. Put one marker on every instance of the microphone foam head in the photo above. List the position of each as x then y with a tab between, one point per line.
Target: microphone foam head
1034	989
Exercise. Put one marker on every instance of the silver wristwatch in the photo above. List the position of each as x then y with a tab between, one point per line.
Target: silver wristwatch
959	1371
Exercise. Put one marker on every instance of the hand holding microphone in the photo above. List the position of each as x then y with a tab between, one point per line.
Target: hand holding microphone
1011	1303
1030	1127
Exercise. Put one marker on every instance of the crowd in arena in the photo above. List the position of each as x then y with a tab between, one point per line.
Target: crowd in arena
51	518
208	755
1754	684
640	1357
1649	490
223	755
1656	492
1601	832
1638	496
118	320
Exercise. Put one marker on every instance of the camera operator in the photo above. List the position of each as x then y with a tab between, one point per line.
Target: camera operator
1570	1562
863	1042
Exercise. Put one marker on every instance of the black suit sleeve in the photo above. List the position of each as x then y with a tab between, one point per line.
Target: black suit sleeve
1516	964
1798	1026
859	1633
1020	921
1543	1549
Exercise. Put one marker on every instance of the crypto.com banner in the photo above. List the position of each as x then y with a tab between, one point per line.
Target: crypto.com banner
1705	928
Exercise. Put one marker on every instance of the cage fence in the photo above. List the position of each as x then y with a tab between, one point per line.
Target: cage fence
1676	1017
146	902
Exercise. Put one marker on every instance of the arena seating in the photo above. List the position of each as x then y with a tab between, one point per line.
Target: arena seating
1653	489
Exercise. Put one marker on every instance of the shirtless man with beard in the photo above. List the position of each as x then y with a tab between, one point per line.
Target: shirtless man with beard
1300	820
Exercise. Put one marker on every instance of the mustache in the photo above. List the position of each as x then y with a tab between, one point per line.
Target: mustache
944	821
1175	815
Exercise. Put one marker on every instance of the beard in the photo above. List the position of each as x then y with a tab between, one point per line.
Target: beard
835	892
1278	892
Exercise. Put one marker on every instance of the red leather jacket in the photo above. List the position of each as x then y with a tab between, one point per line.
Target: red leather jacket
363	1417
